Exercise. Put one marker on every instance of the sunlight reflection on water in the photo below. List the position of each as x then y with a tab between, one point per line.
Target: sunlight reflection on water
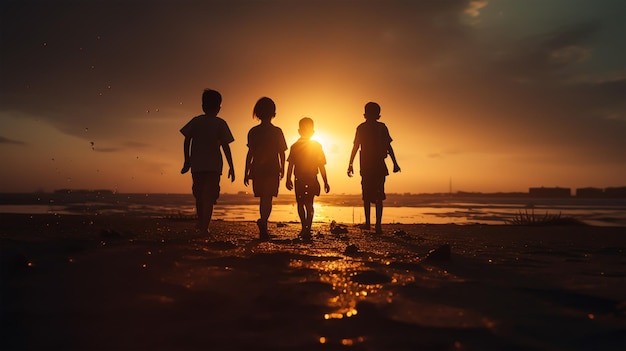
342	209
340	275
411	215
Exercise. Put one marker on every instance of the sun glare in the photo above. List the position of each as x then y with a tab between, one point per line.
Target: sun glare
322	139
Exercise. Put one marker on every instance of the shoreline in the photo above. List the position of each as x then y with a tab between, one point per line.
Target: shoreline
459	214
341	208
123	282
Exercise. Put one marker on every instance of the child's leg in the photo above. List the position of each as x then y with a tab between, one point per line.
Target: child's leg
205	189
199	213
379	216
366	208
209	196
301	213
207	213
310	212
199	194
265	208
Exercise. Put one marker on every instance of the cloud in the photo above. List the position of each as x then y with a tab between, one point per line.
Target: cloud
570	55
474	7
136	145
540	57
126	146
526	94
4	140
602	93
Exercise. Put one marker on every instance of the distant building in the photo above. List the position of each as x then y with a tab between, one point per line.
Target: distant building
590	192
550	192
618	192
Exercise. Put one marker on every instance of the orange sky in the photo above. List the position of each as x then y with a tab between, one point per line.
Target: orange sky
490	94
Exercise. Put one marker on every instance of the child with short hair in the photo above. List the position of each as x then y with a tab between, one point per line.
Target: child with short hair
306	157
204	135
372	137
265	161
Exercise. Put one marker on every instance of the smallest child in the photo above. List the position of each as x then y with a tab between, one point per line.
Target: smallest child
306	157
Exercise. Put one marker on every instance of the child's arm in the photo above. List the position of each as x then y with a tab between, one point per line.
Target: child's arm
323	173
281	156
246	172
355	148
288	183
187	163
396	167
229	159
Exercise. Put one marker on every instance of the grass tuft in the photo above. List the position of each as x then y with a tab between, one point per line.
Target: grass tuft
530	218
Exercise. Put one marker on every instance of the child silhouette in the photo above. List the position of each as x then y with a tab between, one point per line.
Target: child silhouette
372	137
265	161
204	135
306	157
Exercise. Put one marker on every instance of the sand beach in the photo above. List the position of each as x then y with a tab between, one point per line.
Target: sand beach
114	282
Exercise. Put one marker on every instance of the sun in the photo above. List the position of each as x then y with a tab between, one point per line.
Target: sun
332	145
322	138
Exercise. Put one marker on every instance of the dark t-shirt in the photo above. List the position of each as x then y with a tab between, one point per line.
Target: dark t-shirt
306	156
374	140
207	134
265	143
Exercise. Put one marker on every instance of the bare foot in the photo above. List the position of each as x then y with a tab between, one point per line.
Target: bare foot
263	234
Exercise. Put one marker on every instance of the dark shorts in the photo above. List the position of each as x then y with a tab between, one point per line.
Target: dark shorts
265	186
206	186
373	187
307	188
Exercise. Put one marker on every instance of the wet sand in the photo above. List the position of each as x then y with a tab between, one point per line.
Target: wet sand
135	283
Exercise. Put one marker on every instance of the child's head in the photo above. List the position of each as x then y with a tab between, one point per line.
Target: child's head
306	127
211	101
372	111
264	109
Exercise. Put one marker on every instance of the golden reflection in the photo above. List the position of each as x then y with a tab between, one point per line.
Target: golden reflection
347	342
333	316
339	273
